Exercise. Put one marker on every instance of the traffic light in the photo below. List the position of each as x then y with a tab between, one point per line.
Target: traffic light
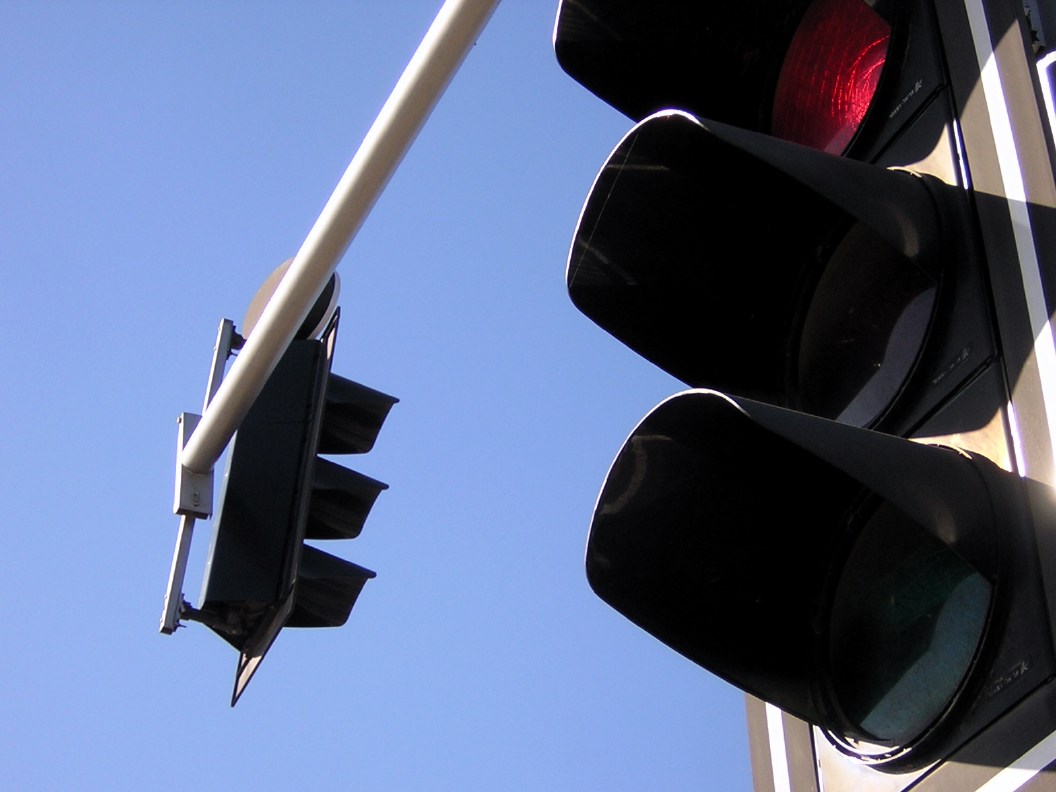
260	574
841	516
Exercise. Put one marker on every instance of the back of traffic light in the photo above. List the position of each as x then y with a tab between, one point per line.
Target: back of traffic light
278	494
793	220
261	576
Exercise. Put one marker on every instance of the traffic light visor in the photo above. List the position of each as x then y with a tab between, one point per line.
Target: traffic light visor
703	247
840	574
800	70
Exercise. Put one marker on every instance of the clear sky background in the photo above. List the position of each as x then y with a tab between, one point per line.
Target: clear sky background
158	160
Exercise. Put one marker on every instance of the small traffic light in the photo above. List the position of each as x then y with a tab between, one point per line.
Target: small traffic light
839	517
260	574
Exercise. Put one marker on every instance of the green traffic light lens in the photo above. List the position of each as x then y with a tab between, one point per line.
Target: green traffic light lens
907	620
863	330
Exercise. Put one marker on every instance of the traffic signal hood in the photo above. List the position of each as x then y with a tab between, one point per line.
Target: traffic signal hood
878	588
804	70
791	229
769	269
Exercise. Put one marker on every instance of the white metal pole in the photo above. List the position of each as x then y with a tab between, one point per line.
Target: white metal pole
449	39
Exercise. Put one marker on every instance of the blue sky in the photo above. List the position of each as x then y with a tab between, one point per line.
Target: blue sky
158	160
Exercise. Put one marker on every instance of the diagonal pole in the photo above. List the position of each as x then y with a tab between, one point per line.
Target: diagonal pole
444	47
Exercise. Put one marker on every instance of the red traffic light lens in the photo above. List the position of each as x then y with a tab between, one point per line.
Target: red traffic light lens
830	74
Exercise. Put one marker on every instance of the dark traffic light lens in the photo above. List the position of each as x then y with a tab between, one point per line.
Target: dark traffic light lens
864	328
830	74
907	619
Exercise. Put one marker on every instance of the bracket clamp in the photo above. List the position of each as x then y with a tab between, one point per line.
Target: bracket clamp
194	491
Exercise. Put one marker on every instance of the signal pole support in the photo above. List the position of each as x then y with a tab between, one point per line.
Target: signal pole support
194	491
453	32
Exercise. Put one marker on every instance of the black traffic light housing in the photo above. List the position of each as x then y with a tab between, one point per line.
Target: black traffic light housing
836	518
260	575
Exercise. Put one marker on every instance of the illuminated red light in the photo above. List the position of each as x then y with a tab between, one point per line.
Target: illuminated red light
830	74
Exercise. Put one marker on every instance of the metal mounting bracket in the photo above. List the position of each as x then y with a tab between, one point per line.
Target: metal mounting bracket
194	491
